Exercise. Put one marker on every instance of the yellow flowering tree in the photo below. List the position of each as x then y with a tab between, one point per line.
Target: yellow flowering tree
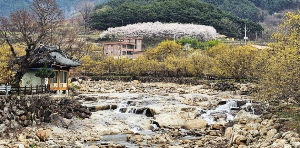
199	63
234	61
163	50
5	72
281	77
6	58
92	62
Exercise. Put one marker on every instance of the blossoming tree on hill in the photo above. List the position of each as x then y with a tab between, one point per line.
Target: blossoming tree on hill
162	30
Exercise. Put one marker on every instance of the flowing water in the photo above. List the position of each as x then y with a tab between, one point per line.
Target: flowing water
136	113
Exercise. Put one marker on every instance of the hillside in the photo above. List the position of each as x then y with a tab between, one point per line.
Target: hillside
122	12
66	5
12	5
254	10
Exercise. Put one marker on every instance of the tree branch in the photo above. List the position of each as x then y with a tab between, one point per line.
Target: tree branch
12	49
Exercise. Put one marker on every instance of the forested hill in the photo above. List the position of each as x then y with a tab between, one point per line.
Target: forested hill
254	10
66	5
11	5
122	12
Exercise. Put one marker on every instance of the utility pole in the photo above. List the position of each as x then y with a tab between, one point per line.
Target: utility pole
174	38
245	38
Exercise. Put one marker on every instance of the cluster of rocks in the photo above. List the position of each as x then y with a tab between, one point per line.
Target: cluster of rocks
245	88
172	116
253	131
51	136
23	111
137	86
191	135
178	80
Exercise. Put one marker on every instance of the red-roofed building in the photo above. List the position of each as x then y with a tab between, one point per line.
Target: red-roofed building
125	47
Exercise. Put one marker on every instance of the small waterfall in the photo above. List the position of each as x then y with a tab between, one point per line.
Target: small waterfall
229	117
135	128
154	127
144	112
248	106
228	106
122	104
224	109
207	116
130	110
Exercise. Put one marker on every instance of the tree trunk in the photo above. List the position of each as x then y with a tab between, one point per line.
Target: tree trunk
84	26
42	81
22	69
17	79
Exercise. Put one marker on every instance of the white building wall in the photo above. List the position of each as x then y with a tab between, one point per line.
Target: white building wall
29	79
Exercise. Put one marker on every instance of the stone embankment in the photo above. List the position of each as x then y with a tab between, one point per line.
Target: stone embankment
95	86
135	114
218	85
24	111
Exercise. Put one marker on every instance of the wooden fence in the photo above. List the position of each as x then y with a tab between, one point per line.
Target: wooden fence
30	90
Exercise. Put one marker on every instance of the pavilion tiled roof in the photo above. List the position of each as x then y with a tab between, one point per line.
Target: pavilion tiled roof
55	57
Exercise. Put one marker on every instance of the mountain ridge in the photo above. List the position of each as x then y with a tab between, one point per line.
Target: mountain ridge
68	6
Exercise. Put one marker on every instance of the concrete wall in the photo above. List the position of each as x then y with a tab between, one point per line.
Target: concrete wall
138	45
112	50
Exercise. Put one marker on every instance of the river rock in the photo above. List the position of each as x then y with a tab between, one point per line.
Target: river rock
3	128
22	138
271	133
242	117
20	145
43	134
205	104
195	124
279	143
220	125
228	133
287	146
239	139
173	119
296	144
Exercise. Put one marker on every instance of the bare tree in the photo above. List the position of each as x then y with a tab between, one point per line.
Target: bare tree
69	40
30	27
85	8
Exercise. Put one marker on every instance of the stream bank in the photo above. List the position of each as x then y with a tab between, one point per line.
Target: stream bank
136	114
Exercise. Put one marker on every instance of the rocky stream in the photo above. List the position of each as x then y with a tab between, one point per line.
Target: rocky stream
115	114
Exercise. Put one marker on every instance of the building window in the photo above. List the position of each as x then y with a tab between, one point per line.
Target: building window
135	43
63	77
130	47
54	79
129	53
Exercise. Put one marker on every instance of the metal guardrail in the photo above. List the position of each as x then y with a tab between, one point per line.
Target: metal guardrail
30	90
5	88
